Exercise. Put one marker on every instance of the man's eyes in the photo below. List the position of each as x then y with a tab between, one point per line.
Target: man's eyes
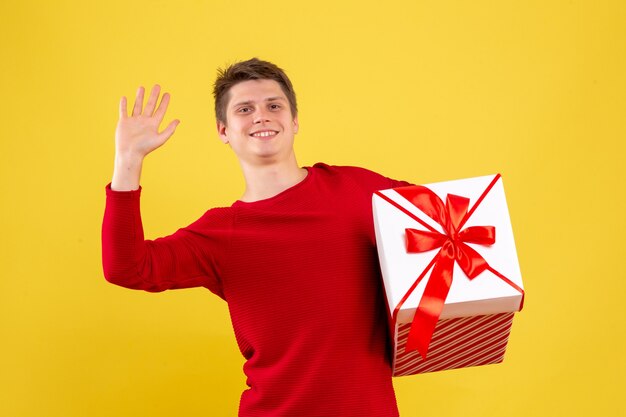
249	109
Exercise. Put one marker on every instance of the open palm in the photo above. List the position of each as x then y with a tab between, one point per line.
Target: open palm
138	134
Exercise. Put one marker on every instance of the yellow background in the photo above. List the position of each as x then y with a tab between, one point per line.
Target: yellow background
418	90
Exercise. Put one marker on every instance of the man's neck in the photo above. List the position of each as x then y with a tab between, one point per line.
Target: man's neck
266	181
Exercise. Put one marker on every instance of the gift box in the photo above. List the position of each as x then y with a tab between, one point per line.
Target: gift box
450	271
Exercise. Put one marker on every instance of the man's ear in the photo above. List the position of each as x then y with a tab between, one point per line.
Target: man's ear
295	124
221	130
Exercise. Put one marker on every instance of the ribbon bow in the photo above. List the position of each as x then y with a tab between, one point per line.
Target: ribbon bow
451	216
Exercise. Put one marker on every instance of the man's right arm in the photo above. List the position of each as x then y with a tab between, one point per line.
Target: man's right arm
188	258
184	259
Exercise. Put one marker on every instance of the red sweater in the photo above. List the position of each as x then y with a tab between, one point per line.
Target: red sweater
301	277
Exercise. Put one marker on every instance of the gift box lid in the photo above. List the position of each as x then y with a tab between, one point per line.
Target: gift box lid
485	294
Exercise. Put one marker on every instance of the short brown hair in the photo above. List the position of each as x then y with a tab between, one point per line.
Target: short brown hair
252	69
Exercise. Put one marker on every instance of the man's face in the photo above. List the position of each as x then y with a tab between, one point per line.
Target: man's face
260	128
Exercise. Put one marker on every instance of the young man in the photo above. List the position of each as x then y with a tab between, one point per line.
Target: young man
294	257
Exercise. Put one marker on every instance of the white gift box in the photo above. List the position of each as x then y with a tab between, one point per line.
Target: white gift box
475	321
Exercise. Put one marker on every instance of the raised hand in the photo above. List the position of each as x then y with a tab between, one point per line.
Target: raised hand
137	135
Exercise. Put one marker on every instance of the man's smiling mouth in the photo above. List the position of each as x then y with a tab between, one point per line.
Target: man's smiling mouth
264	134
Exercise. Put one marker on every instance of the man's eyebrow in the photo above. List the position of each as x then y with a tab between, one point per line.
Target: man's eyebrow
247	102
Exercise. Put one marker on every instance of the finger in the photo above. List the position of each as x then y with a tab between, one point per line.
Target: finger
123	110
151	104
138	102
168	131
160	113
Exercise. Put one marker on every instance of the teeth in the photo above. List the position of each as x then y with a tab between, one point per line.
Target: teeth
263	134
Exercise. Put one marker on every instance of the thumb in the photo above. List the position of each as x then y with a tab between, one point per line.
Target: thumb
168	131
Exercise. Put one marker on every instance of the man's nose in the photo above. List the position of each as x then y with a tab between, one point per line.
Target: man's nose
261	115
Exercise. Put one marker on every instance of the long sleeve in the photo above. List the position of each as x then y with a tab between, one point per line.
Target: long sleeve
187	258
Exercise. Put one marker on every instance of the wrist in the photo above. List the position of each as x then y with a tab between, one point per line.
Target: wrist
126	172
128	159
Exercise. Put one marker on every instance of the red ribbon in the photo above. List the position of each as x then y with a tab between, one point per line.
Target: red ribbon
451	216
